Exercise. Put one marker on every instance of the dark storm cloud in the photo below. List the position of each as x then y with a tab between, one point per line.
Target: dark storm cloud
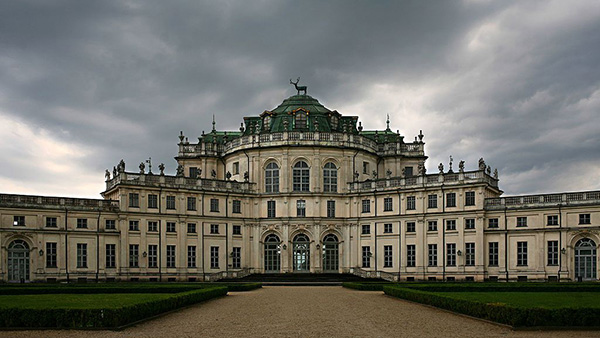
516	82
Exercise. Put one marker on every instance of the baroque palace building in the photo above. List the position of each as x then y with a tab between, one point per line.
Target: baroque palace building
301	189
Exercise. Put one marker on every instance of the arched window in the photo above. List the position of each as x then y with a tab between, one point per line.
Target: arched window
267	122
585	259
18	261
301	119
301	253
330	177
272	177
272	253
301	177
331	260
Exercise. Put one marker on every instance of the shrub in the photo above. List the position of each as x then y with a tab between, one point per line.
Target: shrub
366	286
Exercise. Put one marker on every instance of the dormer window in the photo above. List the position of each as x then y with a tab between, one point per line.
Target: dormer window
266	122
300	120
334	122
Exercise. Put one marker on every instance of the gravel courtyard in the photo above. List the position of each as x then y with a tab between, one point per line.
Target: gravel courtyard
308	312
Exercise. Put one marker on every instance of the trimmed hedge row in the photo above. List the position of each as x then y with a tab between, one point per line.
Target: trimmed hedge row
238	287
103	318
481	287
366	286
121	288
501	313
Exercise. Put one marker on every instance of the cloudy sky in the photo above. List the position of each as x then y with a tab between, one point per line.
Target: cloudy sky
86	83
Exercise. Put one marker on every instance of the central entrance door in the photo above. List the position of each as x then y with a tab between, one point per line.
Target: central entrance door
272	254
585	259
331	261
18	261
301	253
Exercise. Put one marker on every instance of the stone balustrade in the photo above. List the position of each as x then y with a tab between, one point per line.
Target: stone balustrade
543	200
9	200
301	138
431	180
166	181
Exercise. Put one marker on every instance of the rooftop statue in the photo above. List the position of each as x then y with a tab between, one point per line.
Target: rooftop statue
298	88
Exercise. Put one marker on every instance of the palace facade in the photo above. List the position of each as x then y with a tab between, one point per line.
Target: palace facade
301	189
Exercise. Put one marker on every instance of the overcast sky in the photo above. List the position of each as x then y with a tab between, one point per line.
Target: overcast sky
86	83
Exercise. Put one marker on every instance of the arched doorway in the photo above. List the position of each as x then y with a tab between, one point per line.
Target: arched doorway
272	254
585	259
301	253
18	261
331	260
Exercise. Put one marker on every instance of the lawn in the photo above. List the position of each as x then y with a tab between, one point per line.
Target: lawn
79	301
547	300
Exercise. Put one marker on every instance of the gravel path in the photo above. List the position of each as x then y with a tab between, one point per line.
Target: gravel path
308	312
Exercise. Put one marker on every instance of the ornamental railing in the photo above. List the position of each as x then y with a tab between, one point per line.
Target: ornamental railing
301	138
432	180
178	182
541	200
57	202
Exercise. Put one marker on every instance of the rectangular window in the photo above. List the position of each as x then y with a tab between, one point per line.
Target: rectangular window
521	253
191	203
411	227
134	225
411	255
432	226
271	209
387	256
134	200
331	209
432	201
194	172
552	252
237	229
521	221
469	223
19	220
552	219
81	255
134	258
408	171
152	201
50	255
365	167
214	257
366	229
170	256
432	255
171	227
191	257
110	224
191	227
300	208
366	206
152	226
214	228
451	254
450	199
387	204
450	224
82	223
236	168
469	198
51	222
111	255
236	258
470	254
387	228
171	202
411	203
214	205
237	207
493	223
493	254
585	219
152	256
366	256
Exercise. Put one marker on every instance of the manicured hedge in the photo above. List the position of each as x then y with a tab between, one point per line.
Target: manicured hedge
366	286
30	289
502	313
237	287
103	318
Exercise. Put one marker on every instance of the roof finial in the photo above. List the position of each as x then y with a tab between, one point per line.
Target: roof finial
388	122
214	124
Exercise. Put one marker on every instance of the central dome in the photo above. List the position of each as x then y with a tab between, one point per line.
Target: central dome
306	102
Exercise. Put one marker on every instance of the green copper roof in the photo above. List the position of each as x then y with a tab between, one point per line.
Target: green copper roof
307	102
